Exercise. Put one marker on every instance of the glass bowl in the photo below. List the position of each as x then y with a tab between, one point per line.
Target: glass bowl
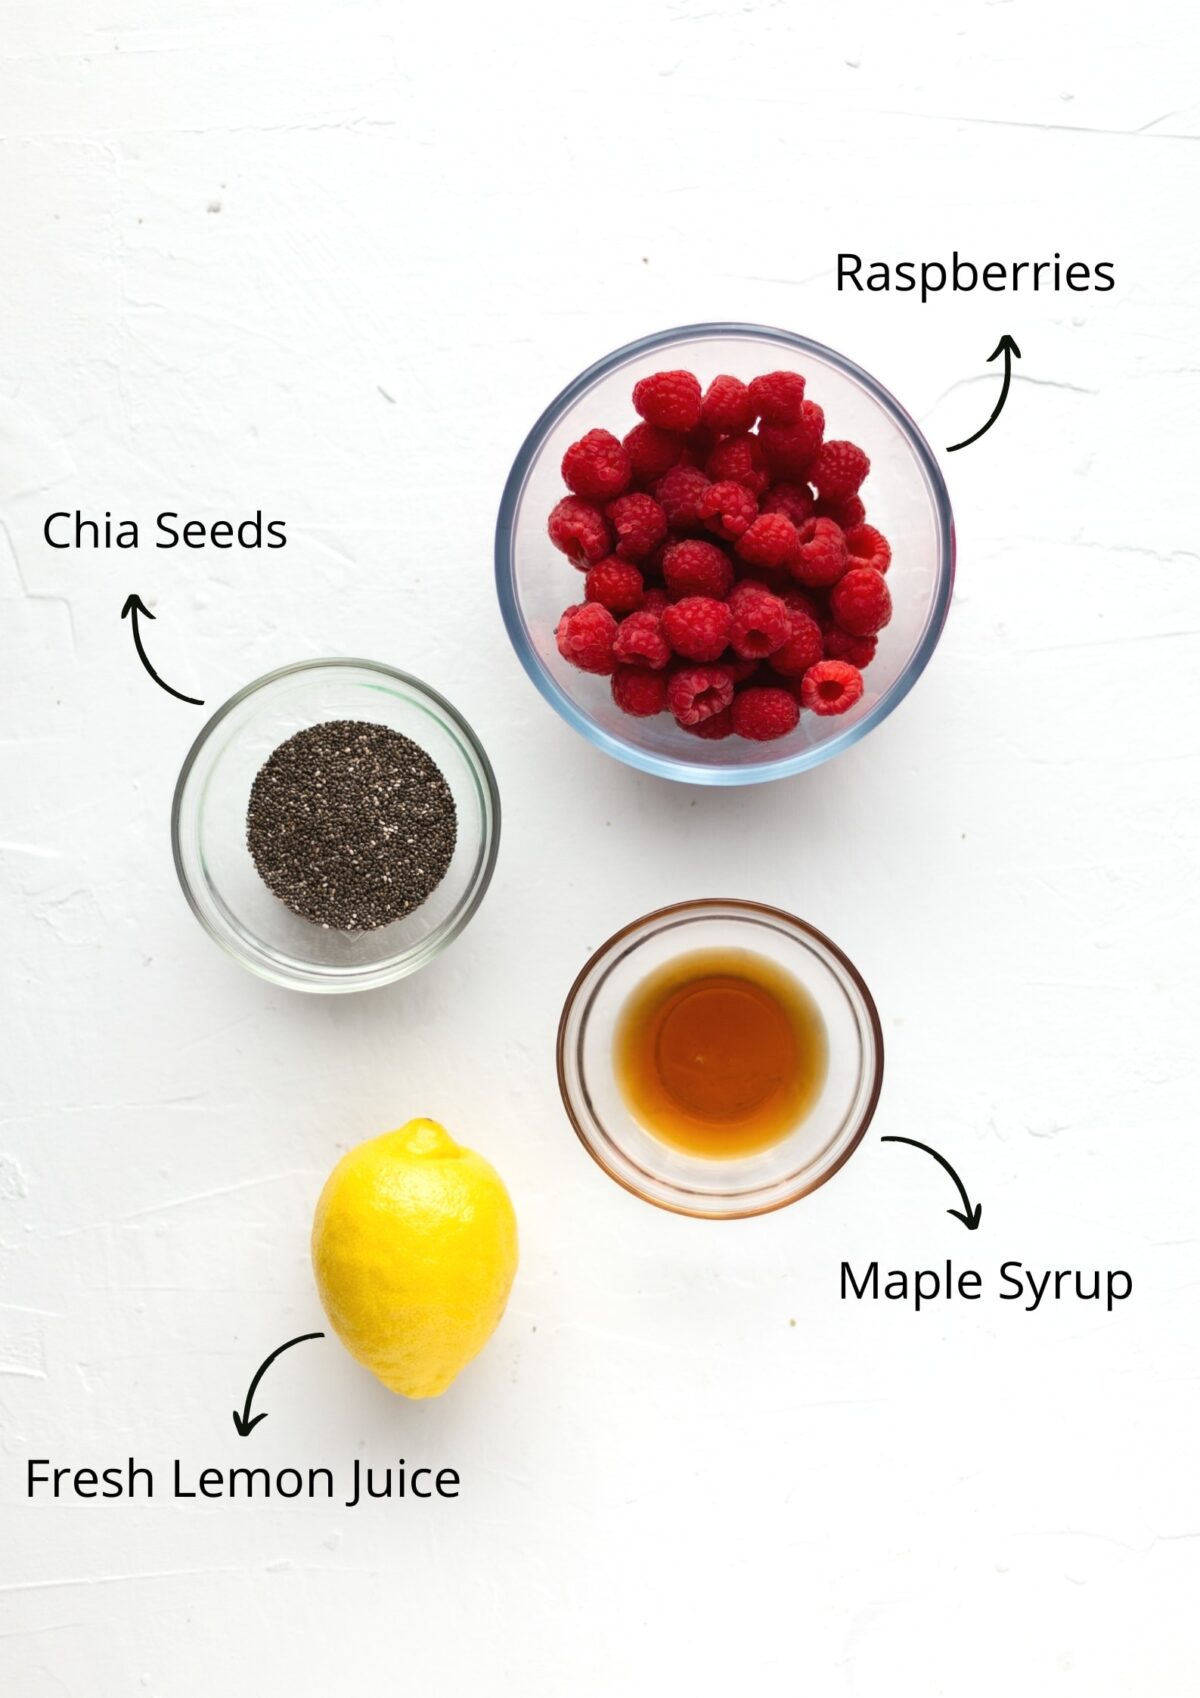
905	495
208	826
720	1188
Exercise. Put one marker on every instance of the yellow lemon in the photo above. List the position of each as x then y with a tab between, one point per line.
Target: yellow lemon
414	1249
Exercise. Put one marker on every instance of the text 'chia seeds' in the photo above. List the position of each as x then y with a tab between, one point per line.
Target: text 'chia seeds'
352	825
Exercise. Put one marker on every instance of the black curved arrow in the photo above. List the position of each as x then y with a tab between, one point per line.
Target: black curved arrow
1008	348
133	606
242	1422
971	1218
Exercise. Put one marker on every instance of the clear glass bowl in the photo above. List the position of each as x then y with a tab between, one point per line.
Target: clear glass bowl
208	825
720	1189
905	495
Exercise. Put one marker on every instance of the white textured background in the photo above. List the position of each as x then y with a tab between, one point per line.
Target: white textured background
228	227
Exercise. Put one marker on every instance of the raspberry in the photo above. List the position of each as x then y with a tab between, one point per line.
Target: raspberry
799	601
845	514
762	713
804	647
860	602
697	627
652	452
740	459
696	693
585	637
766	579
789	448
727	406
640	525
831	686
793	500
777	397
639	691
821	557
713	728
868	547
741	671
697	568
728	509
770	541
838	470
840	645
678	493
761	623
640	642
578	528
654	601
597	466
669	399
615	584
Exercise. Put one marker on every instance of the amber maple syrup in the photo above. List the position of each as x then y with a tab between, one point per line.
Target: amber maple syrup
720	1053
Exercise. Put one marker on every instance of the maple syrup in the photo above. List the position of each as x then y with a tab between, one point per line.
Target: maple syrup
720	1053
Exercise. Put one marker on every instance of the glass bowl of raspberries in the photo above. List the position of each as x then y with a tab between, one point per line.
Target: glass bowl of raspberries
724	553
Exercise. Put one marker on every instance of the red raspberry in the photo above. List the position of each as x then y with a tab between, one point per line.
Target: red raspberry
740	459
654	601
838	470
597	466
713	728
821	557
697	627
831	686
615	584
868	547
861	602
762	713
697	568
652	452
804	647
669	399
678	493
639	691
695	693
578	528
741	671
640	642
640	525
771	541
727	407
845	514
790	448
761	623
585	637
777	397
728	509
776	582
793	500
799	601
840	645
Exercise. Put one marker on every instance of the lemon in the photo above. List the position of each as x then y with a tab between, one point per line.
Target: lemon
414	1248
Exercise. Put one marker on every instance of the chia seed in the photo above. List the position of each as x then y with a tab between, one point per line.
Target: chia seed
351	825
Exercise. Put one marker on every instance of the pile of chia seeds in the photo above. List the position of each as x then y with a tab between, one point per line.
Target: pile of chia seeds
352	825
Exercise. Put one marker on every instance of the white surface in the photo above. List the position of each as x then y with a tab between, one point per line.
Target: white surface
230	227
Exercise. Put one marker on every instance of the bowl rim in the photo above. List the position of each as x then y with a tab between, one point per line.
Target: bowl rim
395	966
747	906
677	767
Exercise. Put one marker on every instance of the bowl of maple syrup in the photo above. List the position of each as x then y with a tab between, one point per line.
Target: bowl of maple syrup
720	1058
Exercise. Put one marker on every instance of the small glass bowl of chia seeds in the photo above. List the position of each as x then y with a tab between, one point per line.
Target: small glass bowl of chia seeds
335	825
